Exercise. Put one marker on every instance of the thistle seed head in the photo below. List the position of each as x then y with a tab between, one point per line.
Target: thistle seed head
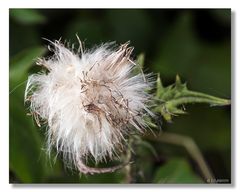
89	100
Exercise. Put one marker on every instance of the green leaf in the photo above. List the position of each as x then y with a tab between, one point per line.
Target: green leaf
115	177
27	16
25	155
27	160
20	64
173	96
176	171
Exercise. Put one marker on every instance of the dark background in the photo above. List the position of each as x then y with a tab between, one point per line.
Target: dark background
196	44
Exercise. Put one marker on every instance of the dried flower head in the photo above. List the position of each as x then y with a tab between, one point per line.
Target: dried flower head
90	101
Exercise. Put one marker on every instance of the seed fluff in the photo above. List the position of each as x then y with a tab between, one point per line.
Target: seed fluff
90	101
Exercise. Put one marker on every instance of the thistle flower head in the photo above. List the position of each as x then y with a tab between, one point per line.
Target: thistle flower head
90	100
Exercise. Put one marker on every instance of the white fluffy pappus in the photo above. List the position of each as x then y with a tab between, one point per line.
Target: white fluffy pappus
90	101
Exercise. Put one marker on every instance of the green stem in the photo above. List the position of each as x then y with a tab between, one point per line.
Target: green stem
128	167
196	97
189	144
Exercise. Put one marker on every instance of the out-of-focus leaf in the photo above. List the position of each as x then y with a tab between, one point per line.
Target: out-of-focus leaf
27	160
223	16
176	171
206	65
89	31
25	145
71	178
179	48
20	64
27	16
211	129
173	96
134	25
115	177
21	37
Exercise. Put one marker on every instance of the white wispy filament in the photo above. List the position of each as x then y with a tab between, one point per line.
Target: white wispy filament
90	101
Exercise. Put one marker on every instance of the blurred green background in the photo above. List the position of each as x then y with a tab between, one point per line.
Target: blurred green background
196	44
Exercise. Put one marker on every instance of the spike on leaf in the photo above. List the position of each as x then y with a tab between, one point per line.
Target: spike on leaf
178	80
140	59
159	86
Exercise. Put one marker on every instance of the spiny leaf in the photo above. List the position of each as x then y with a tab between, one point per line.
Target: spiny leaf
173	96
20	64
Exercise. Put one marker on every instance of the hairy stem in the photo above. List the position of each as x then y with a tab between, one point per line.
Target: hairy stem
83	168
128	174
128	169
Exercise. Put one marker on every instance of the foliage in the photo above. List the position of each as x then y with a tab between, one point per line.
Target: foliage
25	142
27	16
176	171
171	97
